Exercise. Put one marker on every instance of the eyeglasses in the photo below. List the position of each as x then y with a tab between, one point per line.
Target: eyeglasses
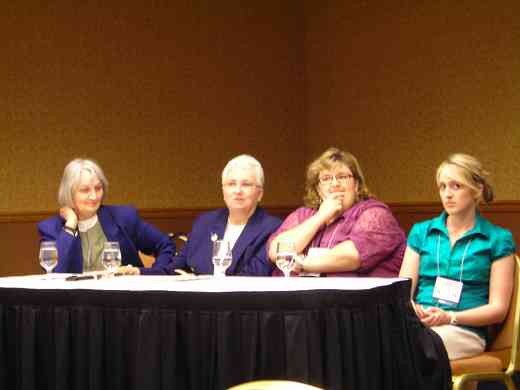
342	178
246	185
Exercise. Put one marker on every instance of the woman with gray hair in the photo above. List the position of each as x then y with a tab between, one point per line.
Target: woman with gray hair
241	222
84	224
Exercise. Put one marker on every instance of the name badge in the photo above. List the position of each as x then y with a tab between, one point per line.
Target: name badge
447	291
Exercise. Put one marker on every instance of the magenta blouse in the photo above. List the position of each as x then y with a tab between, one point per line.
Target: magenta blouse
373	229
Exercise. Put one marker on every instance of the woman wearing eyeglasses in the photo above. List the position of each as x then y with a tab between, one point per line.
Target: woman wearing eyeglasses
342	230
241	222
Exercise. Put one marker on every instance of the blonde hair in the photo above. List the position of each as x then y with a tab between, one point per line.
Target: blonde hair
330	158
71	176
472	174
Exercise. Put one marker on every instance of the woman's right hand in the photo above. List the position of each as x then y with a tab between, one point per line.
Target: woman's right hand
419	310
70	217
331	206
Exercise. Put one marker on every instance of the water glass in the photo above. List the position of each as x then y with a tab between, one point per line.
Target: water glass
48	256
222	257
111	256
285	257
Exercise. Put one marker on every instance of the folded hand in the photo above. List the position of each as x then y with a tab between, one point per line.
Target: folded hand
128	270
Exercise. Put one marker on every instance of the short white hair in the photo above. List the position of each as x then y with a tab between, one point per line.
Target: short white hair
245	161
71	176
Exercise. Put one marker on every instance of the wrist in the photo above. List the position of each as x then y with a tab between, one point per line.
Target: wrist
71	231
453	318
71	223
322	217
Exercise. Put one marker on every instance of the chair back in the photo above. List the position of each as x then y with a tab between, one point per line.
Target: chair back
507	336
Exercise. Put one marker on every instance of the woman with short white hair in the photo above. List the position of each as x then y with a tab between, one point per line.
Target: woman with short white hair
84	224
245	225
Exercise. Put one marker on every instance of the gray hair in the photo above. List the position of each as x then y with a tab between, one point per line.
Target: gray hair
71	176
245	161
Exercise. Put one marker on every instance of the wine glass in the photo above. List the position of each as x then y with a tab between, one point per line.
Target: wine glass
111	256
222	257
285	257
48	256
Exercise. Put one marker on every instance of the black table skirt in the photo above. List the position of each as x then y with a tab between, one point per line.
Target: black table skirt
335	339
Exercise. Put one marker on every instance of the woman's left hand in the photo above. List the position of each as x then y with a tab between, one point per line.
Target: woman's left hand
298	264
435	316
128	270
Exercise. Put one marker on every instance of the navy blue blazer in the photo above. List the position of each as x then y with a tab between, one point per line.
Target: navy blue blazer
249	252
119	223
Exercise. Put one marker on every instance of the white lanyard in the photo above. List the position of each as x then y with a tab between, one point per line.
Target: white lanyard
316	242
461	263
333	234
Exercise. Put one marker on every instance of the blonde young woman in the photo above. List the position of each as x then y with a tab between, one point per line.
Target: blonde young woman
461	265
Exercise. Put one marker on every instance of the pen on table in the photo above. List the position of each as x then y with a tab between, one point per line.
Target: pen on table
74	278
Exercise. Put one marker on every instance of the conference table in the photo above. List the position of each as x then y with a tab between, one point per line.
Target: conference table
202	332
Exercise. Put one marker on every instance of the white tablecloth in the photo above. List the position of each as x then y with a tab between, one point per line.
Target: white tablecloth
203	283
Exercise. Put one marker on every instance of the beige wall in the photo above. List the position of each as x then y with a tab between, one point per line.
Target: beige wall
161	93
402	84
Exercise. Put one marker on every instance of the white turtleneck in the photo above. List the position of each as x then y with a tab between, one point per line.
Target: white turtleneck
87	224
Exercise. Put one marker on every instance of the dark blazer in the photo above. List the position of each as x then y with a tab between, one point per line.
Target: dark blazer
249	252
121	224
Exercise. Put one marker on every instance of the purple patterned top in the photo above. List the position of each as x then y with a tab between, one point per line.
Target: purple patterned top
373	229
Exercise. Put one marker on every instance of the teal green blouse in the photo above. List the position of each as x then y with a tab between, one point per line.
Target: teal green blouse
483	244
